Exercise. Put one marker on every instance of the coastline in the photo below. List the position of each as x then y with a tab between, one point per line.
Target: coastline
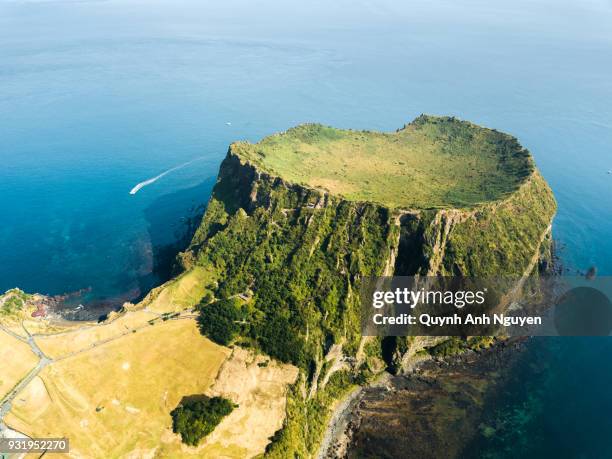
480	374
381	237
335	440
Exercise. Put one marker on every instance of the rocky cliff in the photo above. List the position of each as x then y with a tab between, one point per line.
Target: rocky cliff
296	221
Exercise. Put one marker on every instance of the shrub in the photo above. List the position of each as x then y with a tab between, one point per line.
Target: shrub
220	321
195	419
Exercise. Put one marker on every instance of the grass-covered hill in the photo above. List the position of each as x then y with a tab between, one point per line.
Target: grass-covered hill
430	163
296	221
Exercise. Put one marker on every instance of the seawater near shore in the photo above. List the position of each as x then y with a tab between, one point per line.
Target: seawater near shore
336	440
358	427
460	387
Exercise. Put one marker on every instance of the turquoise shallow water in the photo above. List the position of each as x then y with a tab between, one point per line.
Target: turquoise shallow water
556	404
98	96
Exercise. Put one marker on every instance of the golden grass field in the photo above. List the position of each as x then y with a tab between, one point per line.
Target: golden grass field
177	295
182	293
260	391
115	399
16	361
111	386
44	326
78	339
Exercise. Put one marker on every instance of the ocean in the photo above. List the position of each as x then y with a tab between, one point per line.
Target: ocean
97	97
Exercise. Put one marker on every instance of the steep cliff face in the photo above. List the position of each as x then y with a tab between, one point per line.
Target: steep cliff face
493	239
295	247
299	252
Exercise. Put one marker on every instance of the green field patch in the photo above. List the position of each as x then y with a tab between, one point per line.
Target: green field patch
433	162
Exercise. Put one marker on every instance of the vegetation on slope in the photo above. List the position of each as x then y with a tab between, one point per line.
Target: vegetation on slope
297	254
501	236
456	345
12	302
431	163
307	418
195	419
221	321
302	265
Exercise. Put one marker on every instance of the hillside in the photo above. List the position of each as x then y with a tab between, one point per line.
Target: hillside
297	220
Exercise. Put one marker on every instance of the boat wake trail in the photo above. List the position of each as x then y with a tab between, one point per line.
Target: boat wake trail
147	182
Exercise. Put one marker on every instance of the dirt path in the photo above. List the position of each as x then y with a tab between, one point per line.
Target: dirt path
43	361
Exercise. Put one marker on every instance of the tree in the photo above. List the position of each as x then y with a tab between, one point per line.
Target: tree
220	321
195	419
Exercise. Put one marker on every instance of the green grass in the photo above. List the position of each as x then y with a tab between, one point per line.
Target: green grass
455	345
501	240
12	302
434	162
307	419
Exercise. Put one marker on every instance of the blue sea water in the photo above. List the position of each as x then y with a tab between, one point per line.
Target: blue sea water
97	96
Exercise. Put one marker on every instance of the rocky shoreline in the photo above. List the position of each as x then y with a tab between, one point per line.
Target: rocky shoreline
432	411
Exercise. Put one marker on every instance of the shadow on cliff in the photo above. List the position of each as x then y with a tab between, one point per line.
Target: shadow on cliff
172	220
